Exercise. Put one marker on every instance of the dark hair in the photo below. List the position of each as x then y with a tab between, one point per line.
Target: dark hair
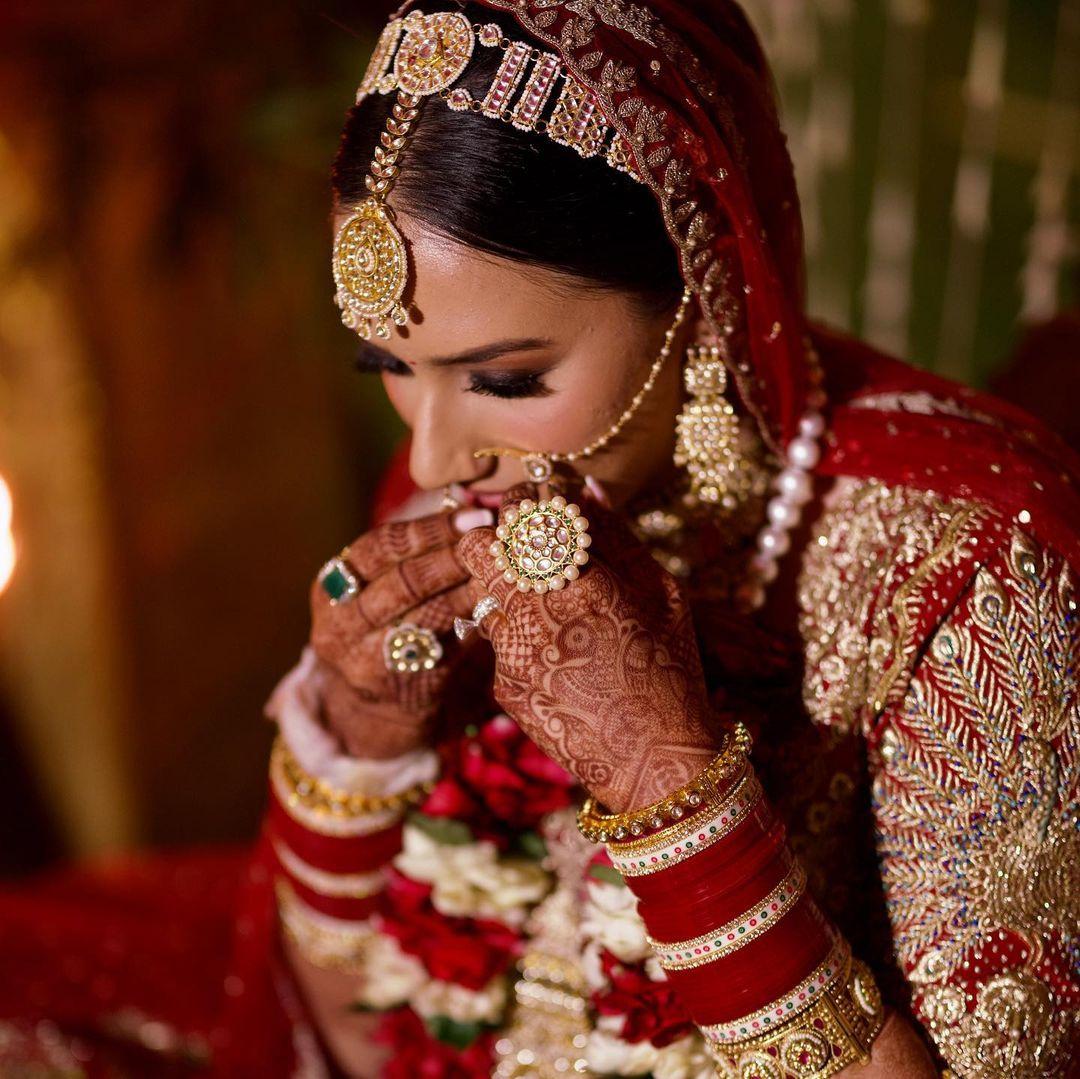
515	194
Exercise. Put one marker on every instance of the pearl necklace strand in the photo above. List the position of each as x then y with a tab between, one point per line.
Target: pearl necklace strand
794	488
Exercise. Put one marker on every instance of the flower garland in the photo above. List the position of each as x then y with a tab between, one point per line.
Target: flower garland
471	869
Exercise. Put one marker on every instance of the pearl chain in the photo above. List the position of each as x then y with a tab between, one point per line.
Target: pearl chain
794	488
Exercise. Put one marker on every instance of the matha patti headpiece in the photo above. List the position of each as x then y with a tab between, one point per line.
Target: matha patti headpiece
421	55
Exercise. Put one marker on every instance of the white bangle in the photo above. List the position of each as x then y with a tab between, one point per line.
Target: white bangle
294	706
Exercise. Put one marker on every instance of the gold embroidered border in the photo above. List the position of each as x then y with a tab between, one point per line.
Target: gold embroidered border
902	642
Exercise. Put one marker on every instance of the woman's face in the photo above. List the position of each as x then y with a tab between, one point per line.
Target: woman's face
502	354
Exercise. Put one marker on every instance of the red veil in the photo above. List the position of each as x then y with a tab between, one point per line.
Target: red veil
686	84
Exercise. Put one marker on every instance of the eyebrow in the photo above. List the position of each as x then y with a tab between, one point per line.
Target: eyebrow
472	355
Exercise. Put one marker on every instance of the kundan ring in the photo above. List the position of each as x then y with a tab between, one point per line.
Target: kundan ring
338	581
409	649
484	606
541	545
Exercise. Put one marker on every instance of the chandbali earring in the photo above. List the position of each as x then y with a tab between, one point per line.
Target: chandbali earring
708	435
539	466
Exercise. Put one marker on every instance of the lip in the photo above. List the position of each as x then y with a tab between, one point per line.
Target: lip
490	500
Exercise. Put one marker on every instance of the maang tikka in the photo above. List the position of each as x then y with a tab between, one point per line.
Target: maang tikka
421	55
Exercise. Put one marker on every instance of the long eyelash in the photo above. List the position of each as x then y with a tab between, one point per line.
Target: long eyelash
367	362
509	384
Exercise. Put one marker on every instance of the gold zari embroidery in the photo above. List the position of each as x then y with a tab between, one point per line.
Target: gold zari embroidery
872	541
977	807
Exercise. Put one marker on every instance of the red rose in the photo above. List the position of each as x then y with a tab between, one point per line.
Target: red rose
651	1010
499	773
417	1055
465	951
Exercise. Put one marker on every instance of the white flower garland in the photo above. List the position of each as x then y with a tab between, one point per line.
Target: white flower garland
471	880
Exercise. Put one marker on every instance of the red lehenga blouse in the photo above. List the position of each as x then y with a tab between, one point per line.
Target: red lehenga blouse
916	725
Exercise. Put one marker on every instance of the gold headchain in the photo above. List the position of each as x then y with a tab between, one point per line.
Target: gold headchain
421	55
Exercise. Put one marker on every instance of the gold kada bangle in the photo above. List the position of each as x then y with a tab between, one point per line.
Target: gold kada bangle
706	788
320	797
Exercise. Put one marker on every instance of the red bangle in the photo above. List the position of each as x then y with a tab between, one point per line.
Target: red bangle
712	887
343	908
680	915
333	854
758	973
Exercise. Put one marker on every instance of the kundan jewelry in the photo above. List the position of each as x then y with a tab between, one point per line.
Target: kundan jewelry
419	56
484	606
538	466
409	649
541	545
707	789
708	434
338	581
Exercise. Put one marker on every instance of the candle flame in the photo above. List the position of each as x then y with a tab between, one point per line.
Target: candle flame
7	540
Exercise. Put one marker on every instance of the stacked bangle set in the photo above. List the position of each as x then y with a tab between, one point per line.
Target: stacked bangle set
332	849
770	983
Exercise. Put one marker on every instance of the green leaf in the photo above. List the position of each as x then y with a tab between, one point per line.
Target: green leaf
446	830
450	1031
360	1006
607	873
532	845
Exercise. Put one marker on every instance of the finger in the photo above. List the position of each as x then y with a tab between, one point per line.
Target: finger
407	584
389	544
384	600
475	551
597	492
363	665
439	612
513	495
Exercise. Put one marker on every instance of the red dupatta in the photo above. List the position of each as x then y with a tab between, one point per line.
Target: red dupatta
685	82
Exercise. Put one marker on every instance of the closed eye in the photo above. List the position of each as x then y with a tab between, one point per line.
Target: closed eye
509	384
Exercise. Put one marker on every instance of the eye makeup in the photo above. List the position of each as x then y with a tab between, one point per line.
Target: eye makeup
487	383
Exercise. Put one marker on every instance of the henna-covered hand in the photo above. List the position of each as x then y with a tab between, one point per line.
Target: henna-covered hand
410	571
605	674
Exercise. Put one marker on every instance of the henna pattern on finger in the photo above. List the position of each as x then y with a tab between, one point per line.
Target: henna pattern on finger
378	550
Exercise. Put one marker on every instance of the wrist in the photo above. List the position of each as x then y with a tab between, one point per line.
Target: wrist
651	779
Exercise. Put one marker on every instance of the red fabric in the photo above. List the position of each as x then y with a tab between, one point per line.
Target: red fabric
1003	457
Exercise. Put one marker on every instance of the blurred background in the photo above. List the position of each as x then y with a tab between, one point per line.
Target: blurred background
183	441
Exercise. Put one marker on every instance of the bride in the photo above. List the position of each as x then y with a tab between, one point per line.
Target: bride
704	701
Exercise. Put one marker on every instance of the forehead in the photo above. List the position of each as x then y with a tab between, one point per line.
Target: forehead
462	297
